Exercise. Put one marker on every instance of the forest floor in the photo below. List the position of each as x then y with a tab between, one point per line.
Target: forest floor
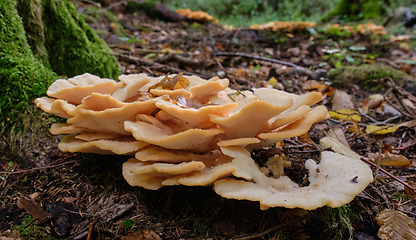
86	197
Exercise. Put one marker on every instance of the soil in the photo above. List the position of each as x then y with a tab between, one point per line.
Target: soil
87	197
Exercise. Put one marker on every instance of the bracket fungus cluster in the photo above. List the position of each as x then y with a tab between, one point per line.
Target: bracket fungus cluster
195	132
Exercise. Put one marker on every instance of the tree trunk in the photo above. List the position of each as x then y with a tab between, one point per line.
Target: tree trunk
354	10
40	39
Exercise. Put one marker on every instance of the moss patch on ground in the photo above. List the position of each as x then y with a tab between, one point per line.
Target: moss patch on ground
366	76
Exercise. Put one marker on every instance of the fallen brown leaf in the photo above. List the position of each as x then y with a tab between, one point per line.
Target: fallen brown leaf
390	159
395	225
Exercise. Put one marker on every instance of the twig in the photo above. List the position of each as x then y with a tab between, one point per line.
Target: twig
238	80
119	214
105	230
392	104
81	235
297	67
115	4
185	60
95	4
396	90
388	174
90	231
156	65
80	213
270	230
41	168
406	146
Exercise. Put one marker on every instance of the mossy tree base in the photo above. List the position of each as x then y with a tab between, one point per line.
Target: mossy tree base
40	39
354	10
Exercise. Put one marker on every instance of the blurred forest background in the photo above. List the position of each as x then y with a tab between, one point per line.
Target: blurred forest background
248	12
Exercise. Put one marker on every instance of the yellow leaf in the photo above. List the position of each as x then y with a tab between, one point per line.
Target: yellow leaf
373	129
273	82
346	114
395	225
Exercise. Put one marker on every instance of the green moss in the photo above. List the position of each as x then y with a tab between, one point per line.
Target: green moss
366	76
22	76
336	222
72	45
39	38
12	34
372	9
29	231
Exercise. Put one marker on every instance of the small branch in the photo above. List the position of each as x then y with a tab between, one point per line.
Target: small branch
116	4
40	168
297	67
270	230
388	174
95	4
90	230
238	80
406	146
81	235
119	214
400	93
153	65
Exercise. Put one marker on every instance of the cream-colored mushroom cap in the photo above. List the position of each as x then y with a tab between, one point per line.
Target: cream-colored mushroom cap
335	181
63	128
299	126
151	130
203	92
273	96
154	153
58	107
75	89
250	119
133	84
111	119
195	117
151	182
122	147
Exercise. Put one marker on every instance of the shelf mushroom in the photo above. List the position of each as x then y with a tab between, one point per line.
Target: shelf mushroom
184	130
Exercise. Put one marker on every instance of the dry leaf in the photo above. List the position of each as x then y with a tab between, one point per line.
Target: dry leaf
339	135
390	159
338	147
341	100
346	114
395	225
142	235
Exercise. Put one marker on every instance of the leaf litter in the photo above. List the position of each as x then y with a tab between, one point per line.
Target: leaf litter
89	199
